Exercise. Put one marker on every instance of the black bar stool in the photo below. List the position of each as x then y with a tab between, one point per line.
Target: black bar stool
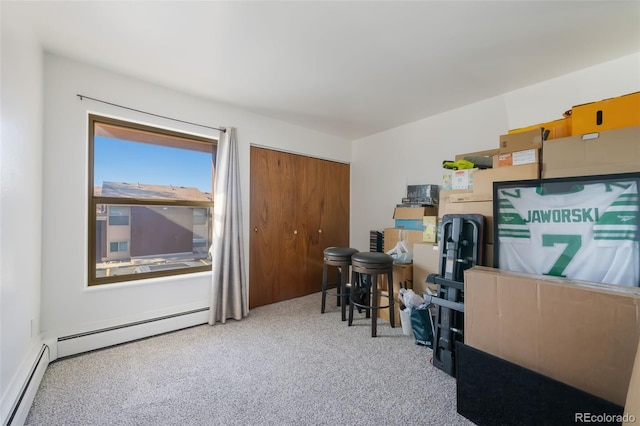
365	268
340	257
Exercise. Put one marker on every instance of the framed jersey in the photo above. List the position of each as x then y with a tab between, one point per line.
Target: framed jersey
583	228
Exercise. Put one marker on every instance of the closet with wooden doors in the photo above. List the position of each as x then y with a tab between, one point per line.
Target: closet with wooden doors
299	207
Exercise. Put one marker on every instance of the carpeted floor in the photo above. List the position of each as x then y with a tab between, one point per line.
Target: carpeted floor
286	364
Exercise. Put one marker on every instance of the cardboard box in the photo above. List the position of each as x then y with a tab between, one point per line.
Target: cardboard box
383	314
416	213
612	151
560	128
447	180
608	114
412	217
579	333
521	141
530	156
483	179
410	224
632	407
393	235
469	203
402	277
430	226
426	261
462	179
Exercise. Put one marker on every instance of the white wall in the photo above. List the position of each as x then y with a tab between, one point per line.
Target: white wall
20	208
68	306
385	163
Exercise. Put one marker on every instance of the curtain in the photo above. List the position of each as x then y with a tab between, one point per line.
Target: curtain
228	285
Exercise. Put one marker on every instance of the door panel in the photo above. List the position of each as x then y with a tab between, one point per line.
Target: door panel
327	186
299	206
271	225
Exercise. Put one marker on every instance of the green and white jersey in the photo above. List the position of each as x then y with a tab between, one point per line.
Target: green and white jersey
590	233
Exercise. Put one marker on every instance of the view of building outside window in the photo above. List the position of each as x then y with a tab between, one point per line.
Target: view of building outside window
153	203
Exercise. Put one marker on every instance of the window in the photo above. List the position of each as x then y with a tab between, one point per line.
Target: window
119	246
118	215
150	201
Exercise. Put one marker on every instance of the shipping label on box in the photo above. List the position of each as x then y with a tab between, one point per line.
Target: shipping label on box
530	156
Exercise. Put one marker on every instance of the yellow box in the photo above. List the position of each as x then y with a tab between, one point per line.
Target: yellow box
430	224
607	114
560	128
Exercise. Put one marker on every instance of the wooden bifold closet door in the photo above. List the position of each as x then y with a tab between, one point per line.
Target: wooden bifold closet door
299	206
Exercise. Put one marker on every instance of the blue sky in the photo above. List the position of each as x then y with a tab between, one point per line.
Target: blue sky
124	161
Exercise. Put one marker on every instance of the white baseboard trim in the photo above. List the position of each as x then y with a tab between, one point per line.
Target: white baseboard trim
102	338
17	402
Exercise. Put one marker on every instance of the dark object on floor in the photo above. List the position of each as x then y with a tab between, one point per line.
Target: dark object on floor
492	391
460	249
422	327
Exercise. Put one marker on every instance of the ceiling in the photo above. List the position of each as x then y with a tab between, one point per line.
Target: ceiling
345	68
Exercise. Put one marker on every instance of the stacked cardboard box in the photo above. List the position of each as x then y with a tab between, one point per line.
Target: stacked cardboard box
517	158
611	151
607	114
581	333
555	129
426	261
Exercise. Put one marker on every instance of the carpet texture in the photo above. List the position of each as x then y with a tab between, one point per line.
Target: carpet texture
286	364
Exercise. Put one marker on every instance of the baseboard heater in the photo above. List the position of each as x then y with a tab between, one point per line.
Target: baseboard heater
22	405
109	336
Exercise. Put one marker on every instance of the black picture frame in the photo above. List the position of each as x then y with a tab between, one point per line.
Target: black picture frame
557	219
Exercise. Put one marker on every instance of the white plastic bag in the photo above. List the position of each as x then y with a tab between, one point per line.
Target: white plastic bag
410	298
402	252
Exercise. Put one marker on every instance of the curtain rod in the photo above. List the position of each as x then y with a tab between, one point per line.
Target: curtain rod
82	97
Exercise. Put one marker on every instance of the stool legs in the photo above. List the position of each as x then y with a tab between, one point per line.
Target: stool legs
342	296
392	316
374	296
324	287
370	298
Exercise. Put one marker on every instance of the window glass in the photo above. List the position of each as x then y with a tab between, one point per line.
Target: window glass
150	201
